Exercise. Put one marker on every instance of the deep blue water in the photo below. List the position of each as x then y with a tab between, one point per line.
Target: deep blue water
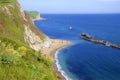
85	60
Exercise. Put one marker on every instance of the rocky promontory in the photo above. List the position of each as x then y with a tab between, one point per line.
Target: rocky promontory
35	15
104	42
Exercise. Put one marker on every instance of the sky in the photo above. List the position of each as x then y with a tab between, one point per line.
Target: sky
72	6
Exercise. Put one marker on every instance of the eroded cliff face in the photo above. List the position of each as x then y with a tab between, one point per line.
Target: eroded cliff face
16	24
34	41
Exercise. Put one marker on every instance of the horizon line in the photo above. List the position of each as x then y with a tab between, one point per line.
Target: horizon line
79	13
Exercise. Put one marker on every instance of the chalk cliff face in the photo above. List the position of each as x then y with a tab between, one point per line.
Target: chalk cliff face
35	41
16	24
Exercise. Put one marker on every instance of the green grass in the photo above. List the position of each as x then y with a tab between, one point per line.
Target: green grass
12	24
18	62
32	14
3	2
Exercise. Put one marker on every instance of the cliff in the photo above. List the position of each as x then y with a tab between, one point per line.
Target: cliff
20	42
15	23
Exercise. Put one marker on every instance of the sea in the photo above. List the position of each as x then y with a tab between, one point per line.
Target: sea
85	60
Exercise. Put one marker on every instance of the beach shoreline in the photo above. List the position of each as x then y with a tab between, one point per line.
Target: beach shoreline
51	51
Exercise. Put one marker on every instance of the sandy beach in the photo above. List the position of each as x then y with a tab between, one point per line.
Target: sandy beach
50	51
55	45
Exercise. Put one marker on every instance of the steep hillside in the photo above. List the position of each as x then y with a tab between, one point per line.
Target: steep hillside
10	26
19	62
15	24
20	42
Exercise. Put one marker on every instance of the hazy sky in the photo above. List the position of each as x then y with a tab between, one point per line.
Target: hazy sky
72	6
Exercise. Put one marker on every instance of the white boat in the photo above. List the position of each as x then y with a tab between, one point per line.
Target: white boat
70	27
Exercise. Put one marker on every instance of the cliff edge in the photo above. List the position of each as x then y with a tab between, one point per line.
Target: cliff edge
16	24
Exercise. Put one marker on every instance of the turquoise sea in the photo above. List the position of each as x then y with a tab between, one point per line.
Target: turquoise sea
84	60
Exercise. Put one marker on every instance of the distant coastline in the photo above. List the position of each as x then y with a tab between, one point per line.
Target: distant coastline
38	17
34	15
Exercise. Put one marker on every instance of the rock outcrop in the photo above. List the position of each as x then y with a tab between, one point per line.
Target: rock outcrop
34	41
35	15
104	42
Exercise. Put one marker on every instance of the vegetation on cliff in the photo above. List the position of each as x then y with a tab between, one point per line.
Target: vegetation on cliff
6	1
13	19
17	60
32	14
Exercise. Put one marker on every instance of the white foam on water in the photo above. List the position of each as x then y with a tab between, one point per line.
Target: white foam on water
59	66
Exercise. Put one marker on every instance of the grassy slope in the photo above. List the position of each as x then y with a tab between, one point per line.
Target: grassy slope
6	1
17	60
11	24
